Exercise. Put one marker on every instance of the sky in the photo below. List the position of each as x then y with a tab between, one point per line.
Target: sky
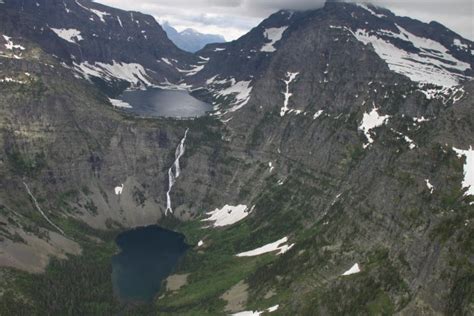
233	18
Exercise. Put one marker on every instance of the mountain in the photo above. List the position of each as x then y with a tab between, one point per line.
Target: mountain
111	47
334	176
191	40
428	54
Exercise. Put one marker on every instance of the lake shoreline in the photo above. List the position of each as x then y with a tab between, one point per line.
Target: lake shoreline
157	102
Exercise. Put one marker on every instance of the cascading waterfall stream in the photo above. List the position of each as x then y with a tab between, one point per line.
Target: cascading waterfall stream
172	176
40	210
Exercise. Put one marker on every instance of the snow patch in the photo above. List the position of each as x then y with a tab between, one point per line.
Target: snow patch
119	189
468	181
98	13
445	94
203	60
370	121
257	313
270	166
211	80
200	243
457	42
239	90
69	35
364	6
290	76
353	270
227	215
166	61
429	185
411	143
10	45
317	114
194	70
66	8
11	80
120	104
280	245
421	119
274	35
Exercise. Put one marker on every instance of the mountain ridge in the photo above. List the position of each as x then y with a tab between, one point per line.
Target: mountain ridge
103	35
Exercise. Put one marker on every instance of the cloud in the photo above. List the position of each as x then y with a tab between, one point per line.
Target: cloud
233	18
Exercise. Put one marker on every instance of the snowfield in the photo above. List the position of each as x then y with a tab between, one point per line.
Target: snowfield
468	181
132	72
69	35
274	35
227	215
280	245
370	121
434	64
239	90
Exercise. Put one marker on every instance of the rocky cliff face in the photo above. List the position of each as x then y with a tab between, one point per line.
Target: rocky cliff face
354	156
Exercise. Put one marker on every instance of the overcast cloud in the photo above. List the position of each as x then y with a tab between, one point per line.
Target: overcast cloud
233	18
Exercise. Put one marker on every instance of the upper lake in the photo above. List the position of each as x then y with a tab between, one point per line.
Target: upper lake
156	102
148	256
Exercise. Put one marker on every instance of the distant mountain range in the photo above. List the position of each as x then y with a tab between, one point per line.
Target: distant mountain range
189	39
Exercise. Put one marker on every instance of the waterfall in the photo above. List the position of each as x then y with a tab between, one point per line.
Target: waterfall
172	176
40	210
